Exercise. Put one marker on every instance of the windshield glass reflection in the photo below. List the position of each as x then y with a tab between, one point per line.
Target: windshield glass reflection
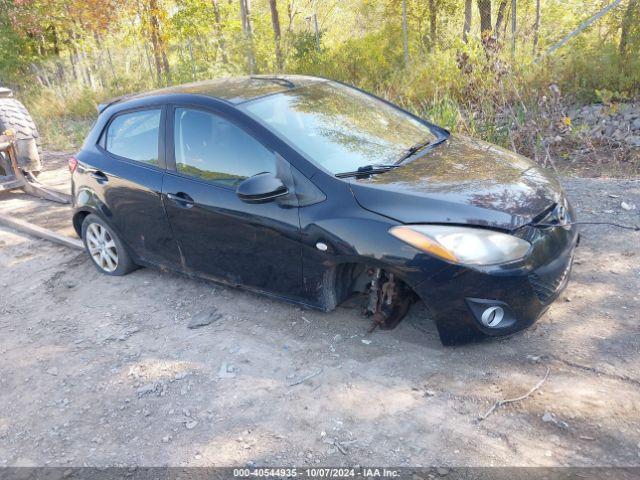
339	128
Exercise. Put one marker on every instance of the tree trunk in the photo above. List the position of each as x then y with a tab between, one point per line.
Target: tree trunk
192	60
85	67
73	58
484	7
433	23
405	33
536	28
514	18
165	61
218	32
245	16
156	41
157	58
467	20
275	22
56	41
292	12
627	22
216	12
149	59
98	60
316	29
500	17
113	70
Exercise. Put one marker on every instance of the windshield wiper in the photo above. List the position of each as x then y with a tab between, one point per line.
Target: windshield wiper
367	170
412	150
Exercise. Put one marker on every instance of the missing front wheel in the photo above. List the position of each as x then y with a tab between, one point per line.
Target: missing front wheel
388	300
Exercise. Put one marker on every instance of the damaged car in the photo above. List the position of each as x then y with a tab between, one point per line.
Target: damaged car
312	191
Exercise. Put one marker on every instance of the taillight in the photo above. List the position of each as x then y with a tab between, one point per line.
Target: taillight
73	164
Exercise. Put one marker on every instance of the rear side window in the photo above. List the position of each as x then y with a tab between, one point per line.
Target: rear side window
135	136
211	148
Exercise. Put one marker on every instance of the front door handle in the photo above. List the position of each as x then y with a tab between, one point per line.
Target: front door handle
182	199
99	176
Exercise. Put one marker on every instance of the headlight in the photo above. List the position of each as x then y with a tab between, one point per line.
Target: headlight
470	246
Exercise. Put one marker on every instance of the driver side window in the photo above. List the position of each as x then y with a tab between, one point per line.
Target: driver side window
213	149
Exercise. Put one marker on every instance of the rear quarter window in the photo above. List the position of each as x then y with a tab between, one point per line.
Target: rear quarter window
134	136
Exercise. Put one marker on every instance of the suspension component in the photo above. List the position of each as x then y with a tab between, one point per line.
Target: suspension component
388	301
374	293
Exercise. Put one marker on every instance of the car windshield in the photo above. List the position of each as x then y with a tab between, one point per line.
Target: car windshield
338	127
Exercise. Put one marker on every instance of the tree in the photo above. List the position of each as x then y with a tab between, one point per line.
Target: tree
151	15
536	28
500	17
433	22
484	7
405	33
275	22
218	31
291	13
247	30
627	22
467	20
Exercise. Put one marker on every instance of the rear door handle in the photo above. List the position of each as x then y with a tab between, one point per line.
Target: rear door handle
99	176
182	199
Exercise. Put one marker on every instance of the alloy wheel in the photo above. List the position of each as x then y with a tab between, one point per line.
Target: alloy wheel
102	247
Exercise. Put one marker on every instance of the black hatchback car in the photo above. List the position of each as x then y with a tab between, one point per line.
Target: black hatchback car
312	191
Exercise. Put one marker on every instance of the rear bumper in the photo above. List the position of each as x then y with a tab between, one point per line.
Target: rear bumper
458	296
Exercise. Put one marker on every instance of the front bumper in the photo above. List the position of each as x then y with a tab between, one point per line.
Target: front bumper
457	296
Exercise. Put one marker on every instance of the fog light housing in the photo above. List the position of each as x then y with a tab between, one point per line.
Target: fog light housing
491	314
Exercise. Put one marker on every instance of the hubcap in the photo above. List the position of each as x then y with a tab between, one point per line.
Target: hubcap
102	248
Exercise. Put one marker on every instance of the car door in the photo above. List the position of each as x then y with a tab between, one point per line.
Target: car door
220	235
127	173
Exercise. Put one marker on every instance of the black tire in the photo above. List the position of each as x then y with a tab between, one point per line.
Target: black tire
123	261
14	116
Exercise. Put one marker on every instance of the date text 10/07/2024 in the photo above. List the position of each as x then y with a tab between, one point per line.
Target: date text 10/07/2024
362	472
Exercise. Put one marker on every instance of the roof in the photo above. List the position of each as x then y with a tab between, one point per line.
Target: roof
231	89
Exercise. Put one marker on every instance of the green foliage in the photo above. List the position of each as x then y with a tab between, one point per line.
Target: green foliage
65	57
304	52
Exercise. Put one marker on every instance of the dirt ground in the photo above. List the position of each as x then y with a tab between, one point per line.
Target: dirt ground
104	371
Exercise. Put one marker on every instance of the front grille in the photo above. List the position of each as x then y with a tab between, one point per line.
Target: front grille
546	286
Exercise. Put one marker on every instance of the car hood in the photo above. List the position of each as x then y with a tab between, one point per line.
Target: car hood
461	181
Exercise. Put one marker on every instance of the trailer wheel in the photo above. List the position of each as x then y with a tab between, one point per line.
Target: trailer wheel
14	116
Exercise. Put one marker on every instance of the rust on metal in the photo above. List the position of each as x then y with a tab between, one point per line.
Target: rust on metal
14	178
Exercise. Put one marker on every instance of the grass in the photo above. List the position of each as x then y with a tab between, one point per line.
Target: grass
522	106
63	133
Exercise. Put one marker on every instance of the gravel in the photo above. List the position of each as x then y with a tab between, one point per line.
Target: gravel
401	399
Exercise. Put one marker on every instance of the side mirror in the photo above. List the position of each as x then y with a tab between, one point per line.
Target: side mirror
262	187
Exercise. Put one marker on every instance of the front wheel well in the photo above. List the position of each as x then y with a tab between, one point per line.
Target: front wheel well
346	279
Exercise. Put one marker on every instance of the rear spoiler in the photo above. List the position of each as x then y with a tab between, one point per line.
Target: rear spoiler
103	106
